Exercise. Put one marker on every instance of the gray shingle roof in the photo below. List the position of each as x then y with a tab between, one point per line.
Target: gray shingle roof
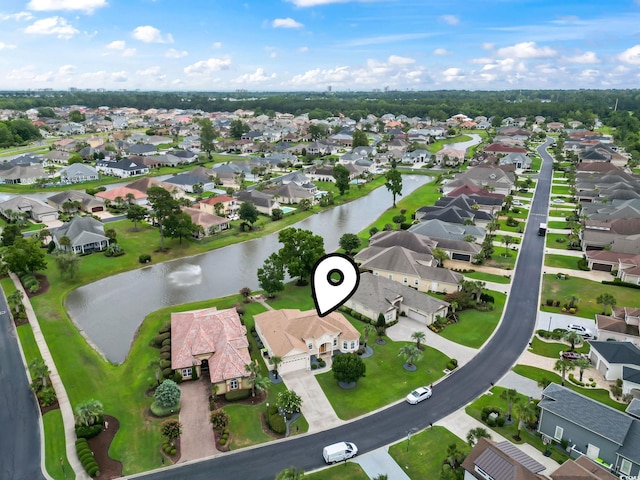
586	413
618	352
631	447
81	230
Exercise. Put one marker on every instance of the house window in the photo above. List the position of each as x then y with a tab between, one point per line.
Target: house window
558	433
335	342
310	346
405	280
186	372
344	345
625	466
390	277
233	384
353	345
415	282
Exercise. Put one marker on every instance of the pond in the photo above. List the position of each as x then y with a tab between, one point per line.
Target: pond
110	311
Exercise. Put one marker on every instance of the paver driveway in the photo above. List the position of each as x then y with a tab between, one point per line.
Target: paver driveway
197	439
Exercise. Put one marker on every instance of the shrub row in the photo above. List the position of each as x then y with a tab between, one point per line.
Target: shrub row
555	335
158	339
620	283
277	424
144	258
452	364
30	282
88	432
86	457
573	379
234	395
169	449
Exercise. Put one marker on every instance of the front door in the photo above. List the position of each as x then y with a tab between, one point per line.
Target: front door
323	348
204	366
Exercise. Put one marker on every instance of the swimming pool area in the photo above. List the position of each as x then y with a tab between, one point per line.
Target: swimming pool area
287	209
356	181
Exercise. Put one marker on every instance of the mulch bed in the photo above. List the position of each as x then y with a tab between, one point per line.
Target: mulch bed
258	399
100	444
172	458
20	321
44	286
44	410
225	447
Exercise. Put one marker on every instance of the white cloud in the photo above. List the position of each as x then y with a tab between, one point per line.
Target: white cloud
117	45
6	46
488	45
526	50
586	58
481	60
450	19
17	16
207	67
441	51
87	6
129	52
217	45
149	34
286	23
149	71
119	76
453	74
257	77
173	53
631	55
303	49
52	26
589	74
67	69
397	60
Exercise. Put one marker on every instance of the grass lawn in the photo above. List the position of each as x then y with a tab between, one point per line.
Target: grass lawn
560	190
28	342
245	425
343	471
385	381
558	240
553	349
498	260
488	277
293	297
55	445
508	431
561	261
506	228
475	327
524	194
426	452
557	224
587	291
598	394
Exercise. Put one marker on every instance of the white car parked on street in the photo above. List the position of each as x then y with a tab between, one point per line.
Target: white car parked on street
418	395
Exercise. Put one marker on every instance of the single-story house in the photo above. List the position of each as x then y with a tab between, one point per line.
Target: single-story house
124	194
22	174
295	336
378	295
85	233
500	460
610	357
602	433
123	168
263	202
78	172
190	183
214	341
86	203
622	325
210	223
37	210
582	468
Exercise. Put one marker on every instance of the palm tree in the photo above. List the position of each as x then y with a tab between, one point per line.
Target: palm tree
291	473
454	456
606	299
476	288
261	383
563	366
253	370
507	240
511	396
411	354
582	364
574	338
418	337
65	242
367	330
87	413
440	255
476	434
39	369
572	300
276	361
525	412
492	226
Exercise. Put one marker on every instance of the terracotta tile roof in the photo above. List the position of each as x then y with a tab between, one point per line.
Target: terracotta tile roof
121	192
218	199
216	333
287	330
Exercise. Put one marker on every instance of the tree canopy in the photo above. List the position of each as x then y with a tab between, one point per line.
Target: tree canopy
348	368
300	251
341	174
393	183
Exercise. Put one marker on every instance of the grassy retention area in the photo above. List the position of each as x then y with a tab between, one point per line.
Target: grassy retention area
598	394
553	349
55	446
344	471
475	327
508	431
385	381
587	291
561	261
426	452
488	277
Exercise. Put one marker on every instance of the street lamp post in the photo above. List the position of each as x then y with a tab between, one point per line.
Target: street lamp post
408	440
550	317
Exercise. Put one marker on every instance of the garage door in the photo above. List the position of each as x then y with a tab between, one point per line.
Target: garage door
461	256
291	365
602	267
416	316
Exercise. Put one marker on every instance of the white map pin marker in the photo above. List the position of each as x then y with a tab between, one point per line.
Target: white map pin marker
334	279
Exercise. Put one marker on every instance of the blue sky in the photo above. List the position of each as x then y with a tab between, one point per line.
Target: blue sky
293	45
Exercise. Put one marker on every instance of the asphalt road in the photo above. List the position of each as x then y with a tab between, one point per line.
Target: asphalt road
20	441
20	435
391	424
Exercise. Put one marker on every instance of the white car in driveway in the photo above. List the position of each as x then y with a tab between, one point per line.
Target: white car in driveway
418	395
584	331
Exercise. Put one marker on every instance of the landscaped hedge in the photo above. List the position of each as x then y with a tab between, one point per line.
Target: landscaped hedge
88	432
237	395
86	457
620	283
277	424
158	339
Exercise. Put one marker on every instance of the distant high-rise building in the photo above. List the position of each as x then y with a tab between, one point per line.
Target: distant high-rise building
329	88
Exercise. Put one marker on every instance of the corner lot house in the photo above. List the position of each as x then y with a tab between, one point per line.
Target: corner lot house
602	433
213	341
295	336
504	461
610	358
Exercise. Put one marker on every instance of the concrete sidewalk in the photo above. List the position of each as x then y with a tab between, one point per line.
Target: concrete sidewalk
63	400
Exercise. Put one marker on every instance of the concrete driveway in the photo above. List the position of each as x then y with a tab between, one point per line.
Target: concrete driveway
197	439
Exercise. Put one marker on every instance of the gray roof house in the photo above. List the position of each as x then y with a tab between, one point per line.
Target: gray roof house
88	203
123	168
500	461
37	210
602	433
609	358
483	176
379	295
517	159
78	172
86	235
438	229
22	174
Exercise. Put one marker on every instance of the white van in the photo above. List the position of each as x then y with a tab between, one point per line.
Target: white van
339	451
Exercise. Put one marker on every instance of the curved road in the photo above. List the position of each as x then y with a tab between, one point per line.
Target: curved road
18	415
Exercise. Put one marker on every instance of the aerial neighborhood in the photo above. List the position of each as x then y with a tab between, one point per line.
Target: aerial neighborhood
158	268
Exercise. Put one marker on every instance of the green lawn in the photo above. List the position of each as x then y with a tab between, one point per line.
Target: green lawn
475	327
598	394
28	342
519	228
293	297
344	471
561	261
560	190
54	445
508	431
488	277
557	224
553	349
587	291
498	260
422	456
385	381
554	240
